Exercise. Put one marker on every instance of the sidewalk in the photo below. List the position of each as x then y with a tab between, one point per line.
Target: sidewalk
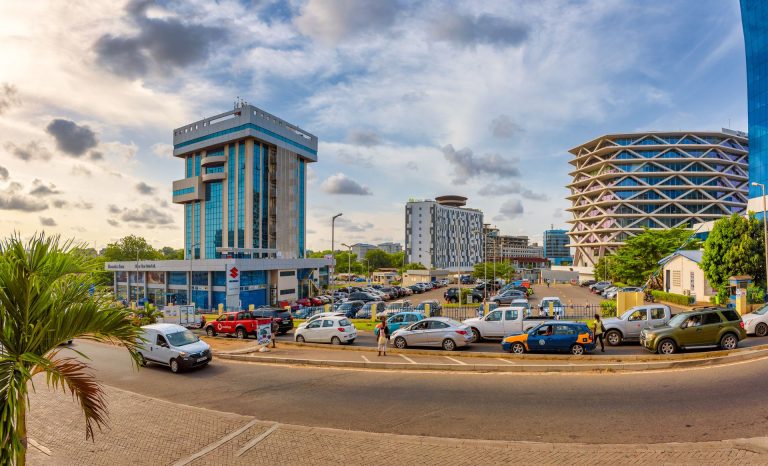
148	431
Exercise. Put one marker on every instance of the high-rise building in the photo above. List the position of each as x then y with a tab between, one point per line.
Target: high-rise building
361	249
390	248
443	234
556	247
243	192
754	20
623	183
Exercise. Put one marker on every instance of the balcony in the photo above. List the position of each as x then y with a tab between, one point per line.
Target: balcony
213	160
209	177
187	190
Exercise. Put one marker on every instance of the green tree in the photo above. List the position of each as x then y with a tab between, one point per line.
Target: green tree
130	248
602	268
169	253
44	302
319	254
412	266
734	247
378	259
503	270
638	258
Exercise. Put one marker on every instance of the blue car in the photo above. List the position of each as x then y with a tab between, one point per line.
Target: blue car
552	336
403	319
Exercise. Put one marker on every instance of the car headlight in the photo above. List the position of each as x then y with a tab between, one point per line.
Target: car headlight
183	354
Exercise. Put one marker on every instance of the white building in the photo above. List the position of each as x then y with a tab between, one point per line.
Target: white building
443	234
390	248
682	274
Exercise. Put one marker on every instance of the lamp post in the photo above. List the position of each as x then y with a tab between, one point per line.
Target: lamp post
333	251
765	233
349	260
191	248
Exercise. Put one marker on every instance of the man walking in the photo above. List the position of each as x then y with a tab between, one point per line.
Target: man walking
598	330
274	331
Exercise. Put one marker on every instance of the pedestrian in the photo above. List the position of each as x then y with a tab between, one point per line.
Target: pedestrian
599	330
547	283
274	332
383	332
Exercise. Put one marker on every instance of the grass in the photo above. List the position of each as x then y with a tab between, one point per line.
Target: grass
360	324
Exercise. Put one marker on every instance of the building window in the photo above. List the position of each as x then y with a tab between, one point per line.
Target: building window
213	219
231	197
256	189
287	273
196	252
287	291
693	281
241	194
676	279
181	192
177	278
200	278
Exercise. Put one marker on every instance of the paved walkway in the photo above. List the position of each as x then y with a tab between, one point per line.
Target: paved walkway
148	431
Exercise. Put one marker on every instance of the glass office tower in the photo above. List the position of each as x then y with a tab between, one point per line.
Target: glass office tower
754	19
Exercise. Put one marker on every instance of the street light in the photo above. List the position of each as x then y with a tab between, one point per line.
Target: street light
765	234
349	260
333	250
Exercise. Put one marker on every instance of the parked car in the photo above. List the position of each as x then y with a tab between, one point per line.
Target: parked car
599	286
629	325
362	296
434	331
320	315
173	346
502	321
552	336
367	309
756	323
453	295
240	323
302	313
350	308
284	318
304	302
435	309
610	289
506	297
402	319
405	291
557	307
466	280
703	327
332	329
415	289
587	283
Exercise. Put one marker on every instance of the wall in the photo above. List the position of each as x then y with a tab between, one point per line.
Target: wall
685	267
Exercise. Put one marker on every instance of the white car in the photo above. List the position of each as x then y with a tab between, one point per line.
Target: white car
557	306
330	329
756	323
320	315
173	346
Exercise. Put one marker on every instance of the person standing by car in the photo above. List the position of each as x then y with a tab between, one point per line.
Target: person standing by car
383	332
275	326
599	330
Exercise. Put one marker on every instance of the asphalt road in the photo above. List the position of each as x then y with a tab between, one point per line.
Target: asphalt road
696	405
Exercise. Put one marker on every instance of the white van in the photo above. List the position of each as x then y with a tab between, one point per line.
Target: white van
174	346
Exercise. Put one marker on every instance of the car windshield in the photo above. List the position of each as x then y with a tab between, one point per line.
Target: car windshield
677	320
344	323
182	338
762	310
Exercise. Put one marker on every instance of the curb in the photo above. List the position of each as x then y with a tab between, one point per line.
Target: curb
689	363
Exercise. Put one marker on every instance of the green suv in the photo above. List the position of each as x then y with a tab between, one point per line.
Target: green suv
709	326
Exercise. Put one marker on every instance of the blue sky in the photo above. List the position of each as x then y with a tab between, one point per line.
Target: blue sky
409	100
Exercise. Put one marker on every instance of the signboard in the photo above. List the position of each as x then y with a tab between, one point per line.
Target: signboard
264	332
233	280
741	292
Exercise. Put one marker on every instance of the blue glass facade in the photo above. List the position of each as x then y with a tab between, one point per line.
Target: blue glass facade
240	194
257	155
213	219
754	19
196	242
302	199
200	298
187	230
197	164
231	197
177	278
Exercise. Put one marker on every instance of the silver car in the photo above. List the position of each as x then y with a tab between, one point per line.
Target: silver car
434	331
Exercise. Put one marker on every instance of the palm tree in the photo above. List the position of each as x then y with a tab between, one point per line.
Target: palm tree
45	301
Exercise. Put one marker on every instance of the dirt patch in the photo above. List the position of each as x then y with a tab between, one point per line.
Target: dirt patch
228	344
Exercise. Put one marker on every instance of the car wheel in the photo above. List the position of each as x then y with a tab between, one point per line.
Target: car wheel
241	334
454	300
449	345
729	342
613	337
349	342
142	360
210	332
476	337
335	341
667	347
517	348
578	350
400	343
300	338
175	368
761	330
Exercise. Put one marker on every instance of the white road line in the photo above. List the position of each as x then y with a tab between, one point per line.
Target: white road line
215	444
258	439
408	359
456	361
364	358
504	360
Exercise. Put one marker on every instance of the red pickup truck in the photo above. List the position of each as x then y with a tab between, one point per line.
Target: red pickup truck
241	324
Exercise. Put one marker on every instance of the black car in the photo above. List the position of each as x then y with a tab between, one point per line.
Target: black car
452	295
284	318
415	289
363	296
350	308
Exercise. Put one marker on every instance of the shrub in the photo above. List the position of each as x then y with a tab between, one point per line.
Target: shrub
673	298
755	295
608	308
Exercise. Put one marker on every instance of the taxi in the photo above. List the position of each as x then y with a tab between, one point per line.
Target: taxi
552	336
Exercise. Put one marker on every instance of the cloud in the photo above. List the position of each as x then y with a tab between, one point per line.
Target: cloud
3	173
40	189
9	97
47	221
113	222
558	213
510	209
11	198
144	216
80	170
33	150
96	155
341	184
162	149
511	187
161	45
363	137
412	165
352	227
71	138
466	30
62	204
145	189
504	128
467	165
330	21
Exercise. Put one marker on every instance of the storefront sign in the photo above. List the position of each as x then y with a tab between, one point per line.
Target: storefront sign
233	280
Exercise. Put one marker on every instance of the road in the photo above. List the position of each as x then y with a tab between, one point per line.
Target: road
676	406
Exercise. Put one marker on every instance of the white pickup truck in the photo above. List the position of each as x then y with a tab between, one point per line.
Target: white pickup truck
501	322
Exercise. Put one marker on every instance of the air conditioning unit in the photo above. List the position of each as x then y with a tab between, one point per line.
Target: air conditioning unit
687	292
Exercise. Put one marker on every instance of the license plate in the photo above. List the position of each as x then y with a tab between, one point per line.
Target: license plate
201	359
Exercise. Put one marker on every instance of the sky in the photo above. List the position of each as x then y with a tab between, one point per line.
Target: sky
409	100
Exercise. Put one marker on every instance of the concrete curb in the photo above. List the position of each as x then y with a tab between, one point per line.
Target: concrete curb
604	366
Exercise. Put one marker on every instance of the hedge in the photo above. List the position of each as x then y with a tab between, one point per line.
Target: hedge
608	308
673	298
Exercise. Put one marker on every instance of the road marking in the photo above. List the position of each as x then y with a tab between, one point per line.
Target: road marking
364	358
456	361
504	360
215	444
258	439
408	359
